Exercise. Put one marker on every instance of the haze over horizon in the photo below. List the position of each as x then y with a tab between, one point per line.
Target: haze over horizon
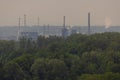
52	12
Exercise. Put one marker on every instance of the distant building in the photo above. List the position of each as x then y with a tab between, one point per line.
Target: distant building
29	35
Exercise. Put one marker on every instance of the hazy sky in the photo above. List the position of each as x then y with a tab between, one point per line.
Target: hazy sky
52	11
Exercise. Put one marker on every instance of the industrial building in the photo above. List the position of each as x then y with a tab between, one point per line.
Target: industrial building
29	35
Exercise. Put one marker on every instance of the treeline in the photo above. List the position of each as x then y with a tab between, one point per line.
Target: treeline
78	57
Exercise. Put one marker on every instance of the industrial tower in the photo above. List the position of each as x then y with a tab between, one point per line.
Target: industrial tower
89	31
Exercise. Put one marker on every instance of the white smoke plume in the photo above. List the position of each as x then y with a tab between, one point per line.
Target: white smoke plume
108	22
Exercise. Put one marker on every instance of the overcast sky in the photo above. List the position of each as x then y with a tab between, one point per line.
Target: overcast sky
52	11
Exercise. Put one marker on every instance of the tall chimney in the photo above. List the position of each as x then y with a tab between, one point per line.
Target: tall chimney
89	23
18	36
38	21
24	20
19	23
64	22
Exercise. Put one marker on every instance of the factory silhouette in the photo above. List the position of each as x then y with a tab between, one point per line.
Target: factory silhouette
65	30
32	32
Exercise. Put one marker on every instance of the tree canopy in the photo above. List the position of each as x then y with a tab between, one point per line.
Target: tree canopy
77	57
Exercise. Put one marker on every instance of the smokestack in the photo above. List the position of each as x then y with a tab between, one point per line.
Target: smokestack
44	30
89	23
19	23
24	20
38	21
18	36
64	30
48	30
63	21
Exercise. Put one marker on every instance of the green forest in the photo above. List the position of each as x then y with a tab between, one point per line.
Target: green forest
77	57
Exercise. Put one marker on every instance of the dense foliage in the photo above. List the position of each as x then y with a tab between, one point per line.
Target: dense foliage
78	57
